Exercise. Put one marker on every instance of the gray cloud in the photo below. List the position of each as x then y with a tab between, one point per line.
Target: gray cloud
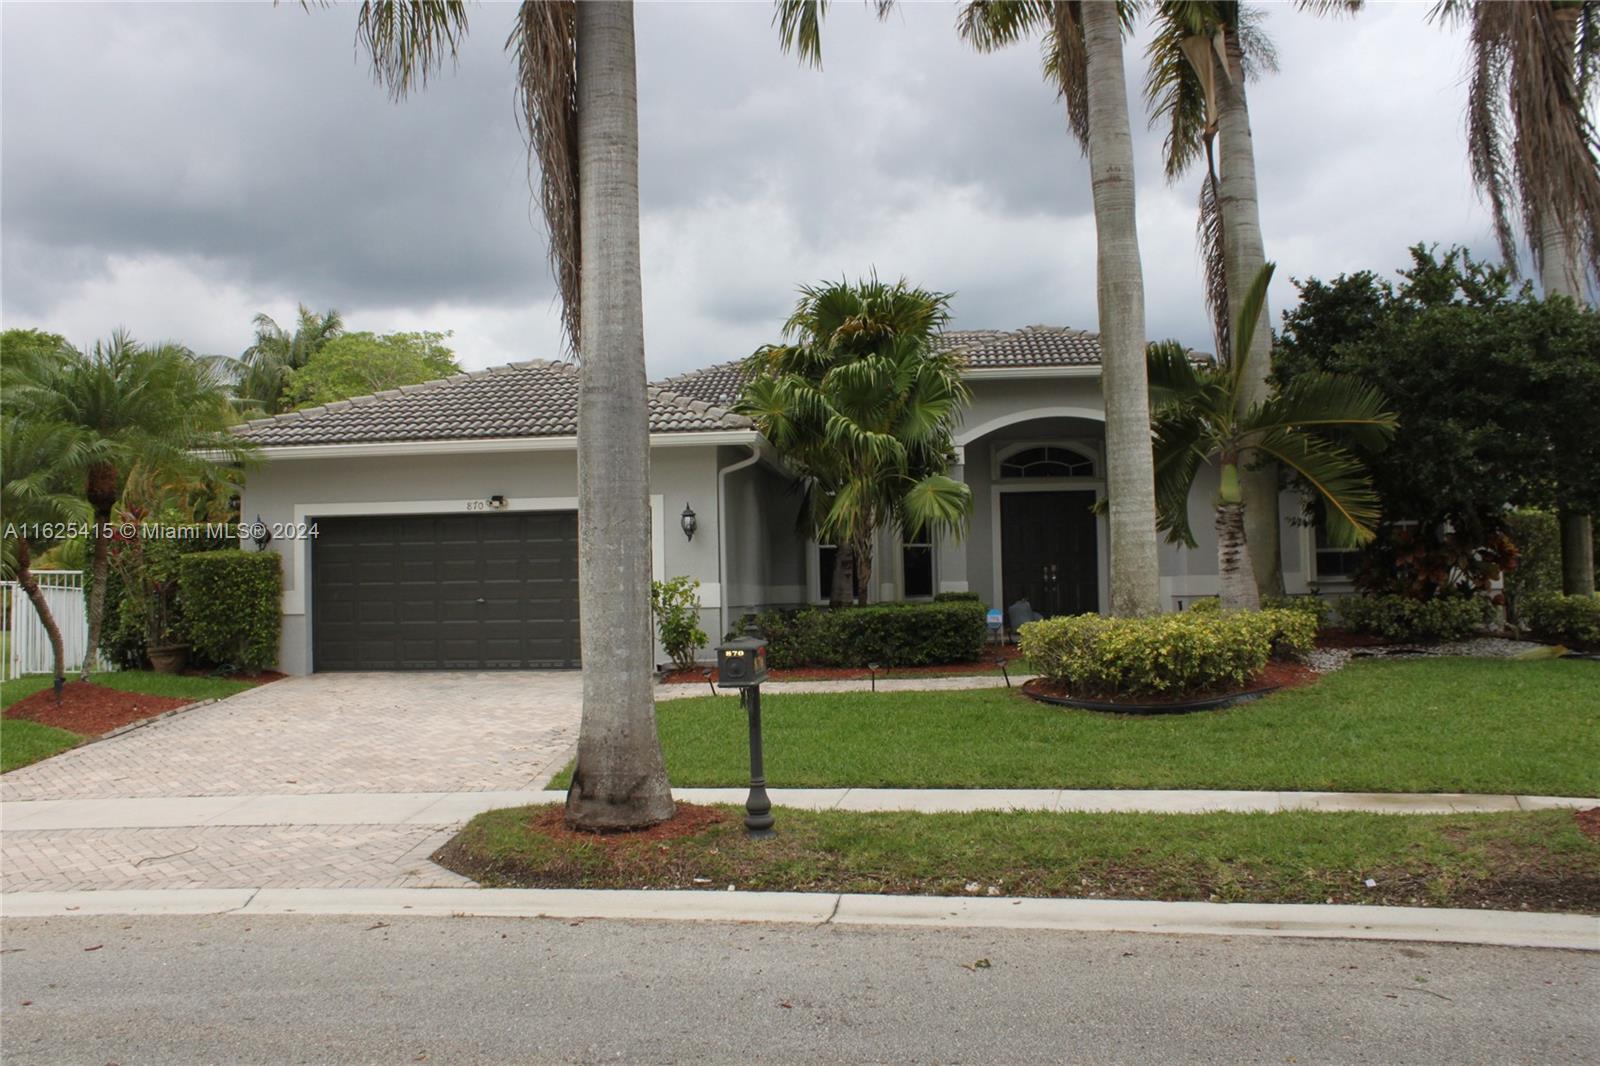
178	167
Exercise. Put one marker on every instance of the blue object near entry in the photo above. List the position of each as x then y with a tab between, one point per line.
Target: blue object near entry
995	619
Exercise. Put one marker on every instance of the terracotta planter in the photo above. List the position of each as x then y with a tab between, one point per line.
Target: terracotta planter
169	658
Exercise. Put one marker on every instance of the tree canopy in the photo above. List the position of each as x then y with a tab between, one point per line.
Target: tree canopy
357	364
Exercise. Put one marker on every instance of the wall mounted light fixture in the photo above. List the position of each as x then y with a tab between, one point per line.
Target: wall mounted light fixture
497	503
688	521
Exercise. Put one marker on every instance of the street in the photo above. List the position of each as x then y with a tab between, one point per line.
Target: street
281	989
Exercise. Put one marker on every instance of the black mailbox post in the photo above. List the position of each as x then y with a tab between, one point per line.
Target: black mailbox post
742	664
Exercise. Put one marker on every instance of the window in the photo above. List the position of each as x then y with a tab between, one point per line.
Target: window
916	566
1047	461
827	555
1334	564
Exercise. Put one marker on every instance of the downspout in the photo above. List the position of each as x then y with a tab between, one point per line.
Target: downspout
722	541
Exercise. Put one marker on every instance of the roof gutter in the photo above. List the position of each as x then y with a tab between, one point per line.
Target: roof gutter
489	445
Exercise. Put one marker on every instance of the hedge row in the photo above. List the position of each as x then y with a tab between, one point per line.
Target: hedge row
1401	618
890	634
1557	619
1193	653
231	601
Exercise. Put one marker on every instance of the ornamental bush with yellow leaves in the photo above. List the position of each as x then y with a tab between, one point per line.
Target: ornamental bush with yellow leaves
1171	655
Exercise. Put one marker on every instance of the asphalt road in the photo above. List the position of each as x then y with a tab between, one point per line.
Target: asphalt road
445	990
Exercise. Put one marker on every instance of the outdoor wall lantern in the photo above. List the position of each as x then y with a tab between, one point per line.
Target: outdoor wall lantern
497	503
260	534
688	521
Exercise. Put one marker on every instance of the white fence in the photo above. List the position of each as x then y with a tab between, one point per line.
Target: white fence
27	648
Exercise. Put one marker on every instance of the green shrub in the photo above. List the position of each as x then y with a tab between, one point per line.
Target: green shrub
123	640
1557	619
676	605
890	634
1401	618
230	602
1537	535
1205	605
957	597
1315	606
1192	653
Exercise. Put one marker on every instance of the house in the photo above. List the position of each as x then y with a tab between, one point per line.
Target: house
435	526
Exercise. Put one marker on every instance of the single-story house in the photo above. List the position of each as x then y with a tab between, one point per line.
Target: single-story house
445	514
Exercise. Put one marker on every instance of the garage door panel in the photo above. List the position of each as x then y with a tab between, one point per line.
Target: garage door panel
404	592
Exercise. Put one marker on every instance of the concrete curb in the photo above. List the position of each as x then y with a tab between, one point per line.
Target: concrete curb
1435	925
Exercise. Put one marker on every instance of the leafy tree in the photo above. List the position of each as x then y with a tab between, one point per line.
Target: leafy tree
577	100
863	408
1495	390
1531	143
38	492
358	364
263	372
1198	420
133	405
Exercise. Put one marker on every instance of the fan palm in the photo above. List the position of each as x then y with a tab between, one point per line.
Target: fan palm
263	369
576	94
1534	154
1199	420
862	408
1083	60
133	404
42	459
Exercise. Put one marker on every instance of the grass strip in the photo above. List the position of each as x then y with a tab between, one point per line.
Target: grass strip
23	742
1538	860
1433	725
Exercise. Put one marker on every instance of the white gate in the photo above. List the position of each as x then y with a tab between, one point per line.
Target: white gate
27	648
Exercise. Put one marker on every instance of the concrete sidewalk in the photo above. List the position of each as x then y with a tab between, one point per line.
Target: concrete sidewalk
448	808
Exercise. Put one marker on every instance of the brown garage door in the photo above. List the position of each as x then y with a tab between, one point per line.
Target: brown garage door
445	592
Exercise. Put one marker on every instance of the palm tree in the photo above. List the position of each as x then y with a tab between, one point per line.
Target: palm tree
263	370
1198	419
863	409
153	406
1533	150
577	102
1083	59
1202	54
41	460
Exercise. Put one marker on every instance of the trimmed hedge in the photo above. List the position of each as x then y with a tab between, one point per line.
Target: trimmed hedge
1401	618
1192	653
1317	607
231	603
889	634
1557	619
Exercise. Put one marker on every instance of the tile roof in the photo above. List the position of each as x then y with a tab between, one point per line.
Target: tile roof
533	399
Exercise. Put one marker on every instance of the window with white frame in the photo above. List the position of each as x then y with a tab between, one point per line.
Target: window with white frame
1046	460
1334	563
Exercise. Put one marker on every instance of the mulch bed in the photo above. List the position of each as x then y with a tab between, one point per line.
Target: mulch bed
91	709
689	819
1589	822
1008	652
1277	675
261	677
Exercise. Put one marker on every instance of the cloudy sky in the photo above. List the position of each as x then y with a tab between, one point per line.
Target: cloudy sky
177	168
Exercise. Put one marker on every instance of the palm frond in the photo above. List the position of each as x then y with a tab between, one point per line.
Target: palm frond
1181	443
1210	236
1323	402
1244	330
937	505
1334	474
408	40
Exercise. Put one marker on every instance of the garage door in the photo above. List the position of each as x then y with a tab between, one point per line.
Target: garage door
445	592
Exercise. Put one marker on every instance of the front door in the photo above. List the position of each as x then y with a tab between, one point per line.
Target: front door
1047	552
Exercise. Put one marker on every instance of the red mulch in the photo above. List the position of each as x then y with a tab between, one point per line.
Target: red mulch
689	820
1589	822
1277	674
91	709
1008	652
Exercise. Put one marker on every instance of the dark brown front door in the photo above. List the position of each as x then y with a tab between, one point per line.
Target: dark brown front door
1047	552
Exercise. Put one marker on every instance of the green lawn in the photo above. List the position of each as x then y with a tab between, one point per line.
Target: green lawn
23	742
1442	725
1529	860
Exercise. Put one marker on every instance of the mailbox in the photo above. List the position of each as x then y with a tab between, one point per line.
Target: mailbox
742	663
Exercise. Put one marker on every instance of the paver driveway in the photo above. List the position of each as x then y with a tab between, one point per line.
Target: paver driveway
327	734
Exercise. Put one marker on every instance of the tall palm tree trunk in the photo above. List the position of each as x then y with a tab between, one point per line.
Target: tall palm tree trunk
1237	582
620	780
1243	258
1560	273
30	586
1130	481
842	590
101	492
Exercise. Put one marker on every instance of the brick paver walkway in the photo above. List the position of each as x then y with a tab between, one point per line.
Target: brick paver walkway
331	733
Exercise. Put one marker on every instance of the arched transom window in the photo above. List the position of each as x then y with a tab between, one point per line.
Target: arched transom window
1046	461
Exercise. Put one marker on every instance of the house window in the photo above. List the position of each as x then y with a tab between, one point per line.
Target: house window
916	567
1046	461
827	555
1334	563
